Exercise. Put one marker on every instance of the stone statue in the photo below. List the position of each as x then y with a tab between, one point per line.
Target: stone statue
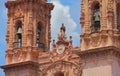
62	30
62	36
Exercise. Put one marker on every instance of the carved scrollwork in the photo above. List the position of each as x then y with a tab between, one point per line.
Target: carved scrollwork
104	40
61	66
18	13
42	71
65	56
16	55
77	71
110	5
95	41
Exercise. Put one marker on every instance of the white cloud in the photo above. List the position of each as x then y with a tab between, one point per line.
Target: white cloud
61	14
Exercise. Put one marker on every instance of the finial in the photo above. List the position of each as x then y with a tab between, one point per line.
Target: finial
62	24
53	40
70	37
53	45
70	42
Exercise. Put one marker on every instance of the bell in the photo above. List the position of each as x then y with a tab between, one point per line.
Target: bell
19	31
38	36
39	30
97	17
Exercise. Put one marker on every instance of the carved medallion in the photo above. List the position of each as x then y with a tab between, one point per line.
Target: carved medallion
60	49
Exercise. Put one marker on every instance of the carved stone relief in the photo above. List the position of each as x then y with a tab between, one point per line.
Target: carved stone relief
65	67
110	5
95	41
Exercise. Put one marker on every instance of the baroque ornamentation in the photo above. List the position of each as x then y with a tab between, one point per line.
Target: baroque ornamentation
110	5
65	56
18	13
95	40
60	66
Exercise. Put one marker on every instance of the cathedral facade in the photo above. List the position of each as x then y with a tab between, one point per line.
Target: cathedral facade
29	35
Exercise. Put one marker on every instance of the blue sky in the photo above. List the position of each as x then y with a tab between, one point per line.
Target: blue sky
70	16
3	22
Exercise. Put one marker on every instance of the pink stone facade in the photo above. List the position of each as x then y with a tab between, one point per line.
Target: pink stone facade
28	41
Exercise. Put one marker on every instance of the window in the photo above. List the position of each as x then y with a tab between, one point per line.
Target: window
118	17
18	42
38	36
39	43
95	18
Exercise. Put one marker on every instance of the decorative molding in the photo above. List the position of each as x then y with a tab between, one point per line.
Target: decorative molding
93	55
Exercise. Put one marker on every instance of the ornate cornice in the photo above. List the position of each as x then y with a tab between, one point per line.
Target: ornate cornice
110	50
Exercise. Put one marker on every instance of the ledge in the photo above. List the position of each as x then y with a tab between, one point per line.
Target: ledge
101	49
19	64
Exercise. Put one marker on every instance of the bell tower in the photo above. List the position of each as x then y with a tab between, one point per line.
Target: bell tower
28	30
100	24
28	34
100	39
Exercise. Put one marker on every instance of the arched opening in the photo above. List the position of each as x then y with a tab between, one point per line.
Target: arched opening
39	43
95	18
38	36
18	35
118	17
59	74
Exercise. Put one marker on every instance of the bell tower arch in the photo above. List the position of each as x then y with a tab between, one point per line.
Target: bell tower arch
18	35
95	17
100	24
